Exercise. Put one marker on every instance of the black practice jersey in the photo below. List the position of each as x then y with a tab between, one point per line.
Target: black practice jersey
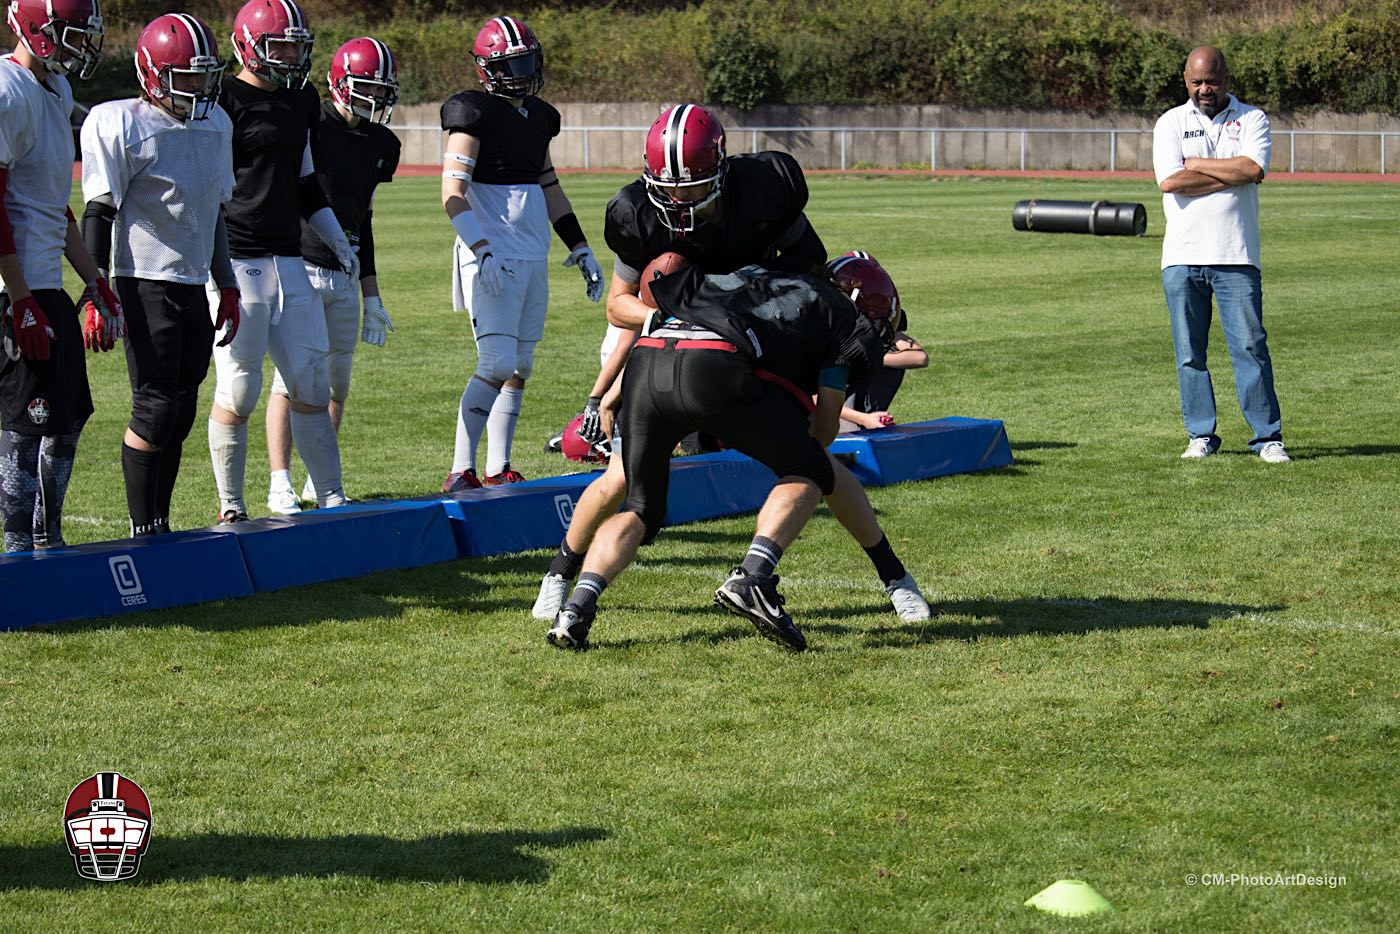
350	162
514	143
270	131
791	324
764	194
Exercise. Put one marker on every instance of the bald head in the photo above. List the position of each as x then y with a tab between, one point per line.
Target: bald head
1207	79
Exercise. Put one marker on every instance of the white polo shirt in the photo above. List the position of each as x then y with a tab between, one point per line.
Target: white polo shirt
1221	228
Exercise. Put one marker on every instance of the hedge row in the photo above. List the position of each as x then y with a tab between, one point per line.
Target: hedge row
1061	54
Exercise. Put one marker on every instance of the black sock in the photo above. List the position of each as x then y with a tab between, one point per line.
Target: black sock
887	564
586	593
165	484
567	563
763	557
142	472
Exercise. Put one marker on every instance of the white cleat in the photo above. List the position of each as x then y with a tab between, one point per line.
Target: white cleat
283	501
554	590
908	601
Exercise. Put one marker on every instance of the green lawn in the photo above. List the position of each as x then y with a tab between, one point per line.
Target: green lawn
1138	668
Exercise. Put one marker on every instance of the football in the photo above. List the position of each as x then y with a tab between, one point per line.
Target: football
663	265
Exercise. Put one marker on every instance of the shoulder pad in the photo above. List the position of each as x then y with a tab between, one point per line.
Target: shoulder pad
465	113
549	110
786	168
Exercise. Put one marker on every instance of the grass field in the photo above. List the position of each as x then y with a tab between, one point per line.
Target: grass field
1138	668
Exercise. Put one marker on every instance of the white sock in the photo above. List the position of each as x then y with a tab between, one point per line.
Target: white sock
475	408
313	433
228	452
500	429
281	480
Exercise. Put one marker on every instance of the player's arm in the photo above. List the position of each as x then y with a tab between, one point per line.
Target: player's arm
570	232
458	166
830	401
625	308
103	324
320	217
905	354
799	248
867	420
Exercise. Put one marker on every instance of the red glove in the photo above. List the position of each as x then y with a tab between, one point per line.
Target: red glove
228	315
103	324
27	331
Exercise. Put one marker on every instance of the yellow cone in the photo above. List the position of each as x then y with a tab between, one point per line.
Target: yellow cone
1070	898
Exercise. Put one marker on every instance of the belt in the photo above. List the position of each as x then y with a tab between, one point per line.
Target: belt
687	344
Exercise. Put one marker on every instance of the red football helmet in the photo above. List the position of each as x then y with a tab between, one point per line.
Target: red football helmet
364	78
178	65
577	449
509	59
860	278
107	823
685	164
66	35
272	40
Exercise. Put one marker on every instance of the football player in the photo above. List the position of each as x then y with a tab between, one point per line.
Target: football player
354	154
275	118
867	404
502	195
739	355
721	212
156	170
44	394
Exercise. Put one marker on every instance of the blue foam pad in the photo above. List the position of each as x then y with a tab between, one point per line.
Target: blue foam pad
498	520
921	450
707	486
330	544
106	578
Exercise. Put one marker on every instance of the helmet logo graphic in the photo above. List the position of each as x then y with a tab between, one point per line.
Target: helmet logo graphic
107	825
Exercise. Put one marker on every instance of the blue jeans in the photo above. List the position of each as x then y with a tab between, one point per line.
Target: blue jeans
1240	299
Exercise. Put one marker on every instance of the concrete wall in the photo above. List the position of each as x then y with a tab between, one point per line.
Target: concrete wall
988	145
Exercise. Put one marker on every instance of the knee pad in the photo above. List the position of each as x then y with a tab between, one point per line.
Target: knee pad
310	386
155	415
495	357
338	373
525	359
238	392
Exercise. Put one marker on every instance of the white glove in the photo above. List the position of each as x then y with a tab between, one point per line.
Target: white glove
348	261
592	272
376	322
325	225
490	273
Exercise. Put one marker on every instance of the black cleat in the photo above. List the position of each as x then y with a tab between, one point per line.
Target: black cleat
570	630
757	599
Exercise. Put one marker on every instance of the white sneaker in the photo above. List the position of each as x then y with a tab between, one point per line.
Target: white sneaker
283	501
1198	448
1273	453
554	590
908	601
308	491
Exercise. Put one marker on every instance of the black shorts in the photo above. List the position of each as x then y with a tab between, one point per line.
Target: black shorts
667	393
47	397
169	342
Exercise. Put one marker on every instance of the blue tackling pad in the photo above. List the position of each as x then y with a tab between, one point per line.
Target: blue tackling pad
110	578
107	578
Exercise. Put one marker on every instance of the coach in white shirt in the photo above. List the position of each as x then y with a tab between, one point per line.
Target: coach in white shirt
1210	154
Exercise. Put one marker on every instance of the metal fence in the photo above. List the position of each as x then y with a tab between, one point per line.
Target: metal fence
1016	147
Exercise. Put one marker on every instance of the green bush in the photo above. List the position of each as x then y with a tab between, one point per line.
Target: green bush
742	72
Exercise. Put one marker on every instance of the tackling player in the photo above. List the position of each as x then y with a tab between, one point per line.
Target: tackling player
354	154
156	170
739	355
502	195
275	117
44	394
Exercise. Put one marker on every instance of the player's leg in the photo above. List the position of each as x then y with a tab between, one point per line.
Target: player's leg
19	487
281	497
340	300
197	332
495	323
850	504
1188	295
532	278
297	344
154	347
598	502
1239	295
238	380
56	456
64	385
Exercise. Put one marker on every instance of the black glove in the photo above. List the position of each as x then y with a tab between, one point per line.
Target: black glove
591	428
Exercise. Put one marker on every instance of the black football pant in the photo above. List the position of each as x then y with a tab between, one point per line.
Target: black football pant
668	392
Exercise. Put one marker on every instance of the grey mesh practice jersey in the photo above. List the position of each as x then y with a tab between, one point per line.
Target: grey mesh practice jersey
167	178
36	144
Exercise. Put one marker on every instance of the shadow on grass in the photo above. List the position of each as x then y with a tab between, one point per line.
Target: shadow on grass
1305	452
1041	445
487	858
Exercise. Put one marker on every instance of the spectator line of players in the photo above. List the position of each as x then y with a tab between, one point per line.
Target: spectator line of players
234	218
